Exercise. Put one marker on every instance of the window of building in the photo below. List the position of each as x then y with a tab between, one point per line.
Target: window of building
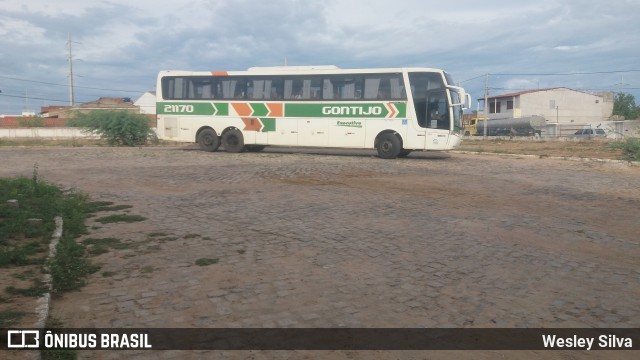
509	104
494	107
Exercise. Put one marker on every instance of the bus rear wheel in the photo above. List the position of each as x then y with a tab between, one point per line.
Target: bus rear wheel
389	146
208	140
233	141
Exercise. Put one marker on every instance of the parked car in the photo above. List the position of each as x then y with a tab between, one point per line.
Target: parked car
589	133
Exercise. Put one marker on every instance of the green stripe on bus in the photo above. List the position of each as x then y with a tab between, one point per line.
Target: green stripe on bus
269	124
192	108
347	110
335	110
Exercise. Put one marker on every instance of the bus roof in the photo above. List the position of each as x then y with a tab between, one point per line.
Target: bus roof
296	70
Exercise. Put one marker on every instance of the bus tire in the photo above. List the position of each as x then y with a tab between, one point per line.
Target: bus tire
404	153
389	146
233	141
254	148
208	140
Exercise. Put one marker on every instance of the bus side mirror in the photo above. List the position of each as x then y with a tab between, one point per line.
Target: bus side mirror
468	102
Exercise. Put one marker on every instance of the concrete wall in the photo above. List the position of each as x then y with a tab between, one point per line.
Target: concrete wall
46	133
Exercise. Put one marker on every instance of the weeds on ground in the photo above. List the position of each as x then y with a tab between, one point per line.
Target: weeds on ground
630	148
9	317
206	261
120	218
57	354
27	211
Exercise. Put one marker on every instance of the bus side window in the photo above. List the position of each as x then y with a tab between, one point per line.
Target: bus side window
302	88
342	87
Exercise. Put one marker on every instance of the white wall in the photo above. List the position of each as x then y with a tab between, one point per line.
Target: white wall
573	107
147	103
46	133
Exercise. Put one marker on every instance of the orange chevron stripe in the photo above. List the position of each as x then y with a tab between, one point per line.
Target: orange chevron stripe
242	109
219	73
392	110
275	110
252	124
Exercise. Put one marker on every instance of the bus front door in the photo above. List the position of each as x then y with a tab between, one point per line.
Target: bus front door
437	120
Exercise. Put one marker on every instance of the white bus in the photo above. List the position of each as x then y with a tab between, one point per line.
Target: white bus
394	111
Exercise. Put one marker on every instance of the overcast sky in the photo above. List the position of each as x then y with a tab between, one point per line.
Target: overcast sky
120	45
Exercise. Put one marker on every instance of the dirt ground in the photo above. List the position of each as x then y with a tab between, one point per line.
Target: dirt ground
332	238
598	149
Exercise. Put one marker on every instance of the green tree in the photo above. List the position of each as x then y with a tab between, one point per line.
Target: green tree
625	105
118	127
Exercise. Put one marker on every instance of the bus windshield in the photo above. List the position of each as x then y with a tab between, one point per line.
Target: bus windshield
430	100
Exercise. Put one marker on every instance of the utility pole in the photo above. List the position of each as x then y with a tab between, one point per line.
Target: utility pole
486	104
71	99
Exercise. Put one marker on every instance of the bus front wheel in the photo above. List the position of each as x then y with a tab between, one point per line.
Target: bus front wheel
389	146
208	140
233	141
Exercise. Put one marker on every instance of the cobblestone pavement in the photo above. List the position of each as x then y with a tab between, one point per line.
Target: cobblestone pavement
318	239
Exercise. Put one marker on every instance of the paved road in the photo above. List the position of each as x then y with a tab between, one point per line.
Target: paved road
319	239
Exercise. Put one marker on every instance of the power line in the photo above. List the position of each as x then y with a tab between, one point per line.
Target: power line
567	74
32	98
66	85
553	74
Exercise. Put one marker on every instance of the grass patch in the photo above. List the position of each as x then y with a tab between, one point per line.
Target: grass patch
25	275
70	267
25	242
126	218
9	317
108	273
168	238
103	245
206	261
116	207
37	289
20	253
147	269
157	234
97	250
100	241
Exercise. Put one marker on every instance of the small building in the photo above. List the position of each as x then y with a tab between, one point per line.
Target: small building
557	105
147	103
103	103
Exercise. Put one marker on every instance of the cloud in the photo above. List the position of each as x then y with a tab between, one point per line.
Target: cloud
122	44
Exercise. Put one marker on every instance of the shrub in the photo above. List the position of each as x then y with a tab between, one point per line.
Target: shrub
630	149
118	127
